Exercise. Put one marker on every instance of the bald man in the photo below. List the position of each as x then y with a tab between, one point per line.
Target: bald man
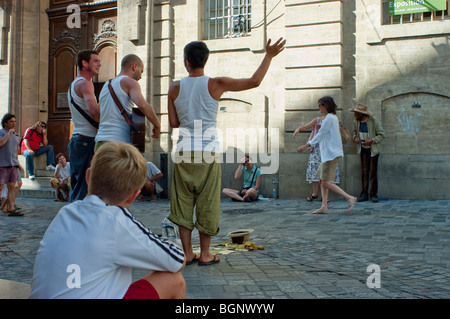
113	126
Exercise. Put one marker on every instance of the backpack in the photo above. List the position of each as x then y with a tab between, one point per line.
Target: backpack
22	138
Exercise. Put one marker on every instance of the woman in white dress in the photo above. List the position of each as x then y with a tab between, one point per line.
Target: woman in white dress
331	150
314	157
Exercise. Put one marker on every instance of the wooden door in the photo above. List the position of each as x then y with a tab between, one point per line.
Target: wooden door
97	31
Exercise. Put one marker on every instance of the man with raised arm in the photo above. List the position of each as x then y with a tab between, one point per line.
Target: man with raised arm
193	103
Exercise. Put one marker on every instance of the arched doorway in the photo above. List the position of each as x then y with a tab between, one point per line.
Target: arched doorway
97	31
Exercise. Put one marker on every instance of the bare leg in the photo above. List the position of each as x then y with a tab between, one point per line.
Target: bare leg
252	193
186	241
168	285
232	193
324	208
316	189
351	200
11	196
3	199
205	254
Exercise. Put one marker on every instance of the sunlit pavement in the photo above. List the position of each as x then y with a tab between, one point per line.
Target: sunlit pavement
390	249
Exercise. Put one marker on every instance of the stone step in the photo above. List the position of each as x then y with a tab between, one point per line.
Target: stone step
44	173
42	193
40	163
14	290
39	188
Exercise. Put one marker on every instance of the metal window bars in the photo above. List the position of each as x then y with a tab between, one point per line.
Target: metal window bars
227	18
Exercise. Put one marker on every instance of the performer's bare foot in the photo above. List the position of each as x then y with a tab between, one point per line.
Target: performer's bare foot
321	211
351	203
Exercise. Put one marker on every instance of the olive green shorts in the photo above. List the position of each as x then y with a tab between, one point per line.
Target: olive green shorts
327	170
196	185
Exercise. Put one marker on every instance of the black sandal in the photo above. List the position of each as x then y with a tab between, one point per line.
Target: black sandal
15	213
311	198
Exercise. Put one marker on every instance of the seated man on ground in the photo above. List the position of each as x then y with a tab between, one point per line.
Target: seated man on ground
252	181
61	180
151	186
91	247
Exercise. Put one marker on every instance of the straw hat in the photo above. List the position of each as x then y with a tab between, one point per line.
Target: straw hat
361	108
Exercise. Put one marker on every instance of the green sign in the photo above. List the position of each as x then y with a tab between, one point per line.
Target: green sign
397	7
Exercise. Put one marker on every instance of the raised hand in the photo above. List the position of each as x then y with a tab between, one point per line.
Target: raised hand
276	48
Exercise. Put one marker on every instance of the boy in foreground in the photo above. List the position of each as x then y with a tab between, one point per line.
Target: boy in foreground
91	246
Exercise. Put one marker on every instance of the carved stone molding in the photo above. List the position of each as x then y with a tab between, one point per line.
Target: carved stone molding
107	32
65	37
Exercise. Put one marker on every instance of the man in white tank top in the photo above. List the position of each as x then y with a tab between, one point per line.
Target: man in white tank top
193	105
81	96
113	126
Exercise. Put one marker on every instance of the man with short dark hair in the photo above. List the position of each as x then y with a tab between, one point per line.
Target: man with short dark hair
192	101
9	163
85	109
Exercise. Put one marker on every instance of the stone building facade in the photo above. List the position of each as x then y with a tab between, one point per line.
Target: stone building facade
354	51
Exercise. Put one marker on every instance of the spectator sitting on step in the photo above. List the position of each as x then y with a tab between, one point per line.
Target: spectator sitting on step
61	180
31	147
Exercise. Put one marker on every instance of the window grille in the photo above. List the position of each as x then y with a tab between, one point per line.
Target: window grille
227	18
414	17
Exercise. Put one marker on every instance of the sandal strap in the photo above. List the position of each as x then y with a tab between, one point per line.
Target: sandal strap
15	213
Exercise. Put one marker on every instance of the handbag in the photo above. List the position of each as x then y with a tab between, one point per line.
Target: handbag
345	133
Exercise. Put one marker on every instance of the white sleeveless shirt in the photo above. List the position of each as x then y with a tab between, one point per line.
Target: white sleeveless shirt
82	126
113	126
197	113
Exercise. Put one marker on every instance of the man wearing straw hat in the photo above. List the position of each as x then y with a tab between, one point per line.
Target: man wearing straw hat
368	134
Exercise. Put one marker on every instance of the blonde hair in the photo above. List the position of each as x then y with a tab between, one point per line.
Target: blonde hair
117	171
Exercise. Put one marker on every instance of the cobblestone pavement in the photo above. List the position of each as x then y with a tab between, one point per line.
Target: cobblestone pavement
304	256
